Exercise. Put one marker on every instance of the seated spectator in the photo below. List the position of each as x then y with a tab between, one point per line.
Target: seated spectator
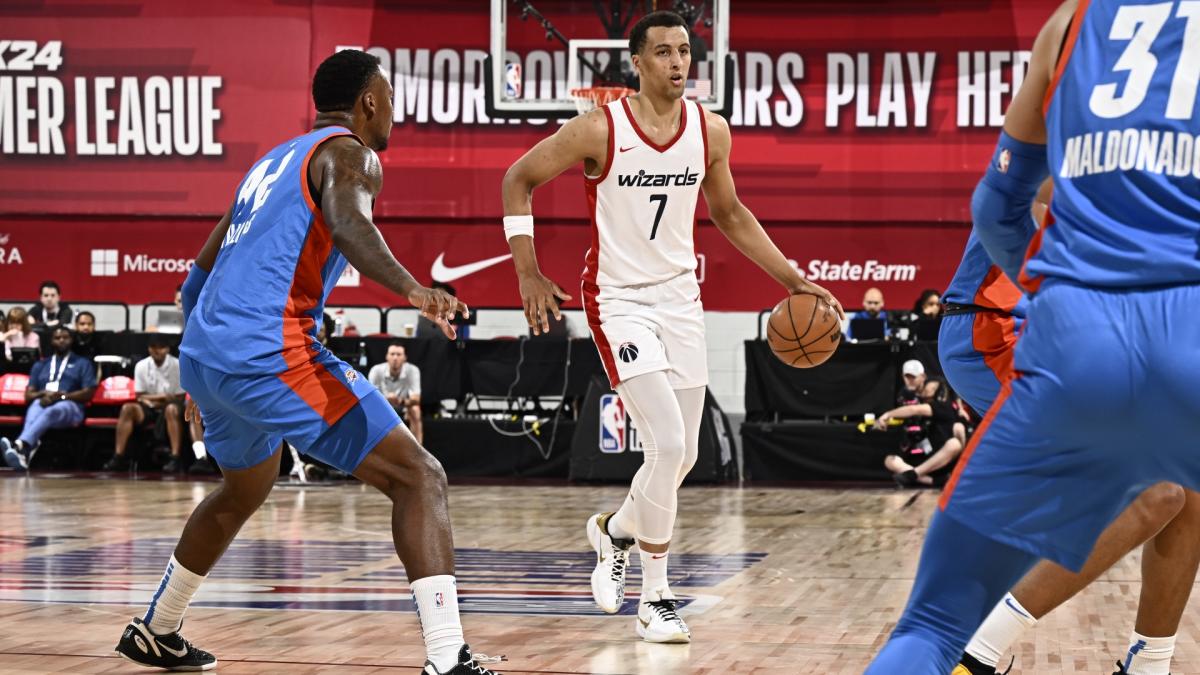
170	321
914	381
203	465
86	342
59	386
159	403
928	305
945	436
400	382
872	309
19	332
50	311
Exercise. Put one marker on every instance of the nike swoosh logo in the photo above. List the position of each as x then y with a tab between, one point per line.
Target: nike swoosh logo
657	557
629	148
177	652
1015	608
440	272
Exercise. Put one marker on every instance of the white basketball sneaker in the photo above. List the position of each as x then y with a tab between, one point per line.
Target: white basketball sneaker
612	557
657	620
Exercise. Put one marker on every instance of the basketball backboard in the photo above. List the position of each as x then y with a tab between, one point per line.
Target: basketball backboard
541	50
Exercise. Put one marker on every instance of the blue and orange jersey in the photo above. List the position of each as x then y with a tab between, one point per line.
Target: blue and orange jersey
260	308
981	282
1123	125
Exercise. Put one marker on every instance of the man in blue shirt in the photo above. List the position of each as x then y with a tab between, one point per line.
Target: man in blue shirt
58	388
872	309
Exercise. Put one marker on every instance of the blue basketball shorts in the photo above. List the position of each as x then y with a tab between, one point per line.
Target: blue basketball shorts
976	353
322	407
1104	404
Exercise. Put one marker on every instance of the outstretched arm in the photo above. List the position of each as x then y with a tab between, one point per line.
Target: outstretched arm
740	226
351	177
904	412
583	139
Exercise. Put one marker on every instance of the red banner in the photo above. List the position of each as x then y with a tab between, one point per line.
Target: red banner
863	111
143	261
856	127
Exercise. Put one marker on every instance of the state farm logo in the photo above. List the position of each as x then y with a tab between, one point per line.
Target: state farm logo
845	270
109	262
9	255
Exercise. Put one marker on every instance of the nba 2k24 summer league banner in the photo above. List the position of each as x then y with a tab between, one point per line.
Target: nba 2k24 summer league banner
142	261
880	111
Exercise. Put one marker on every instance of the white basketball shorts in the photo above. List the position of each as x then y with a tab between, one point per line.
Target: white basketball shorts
645	329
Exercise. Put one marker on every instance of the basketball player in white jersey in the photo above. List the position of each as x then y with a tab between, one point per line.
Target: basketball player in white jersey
645	159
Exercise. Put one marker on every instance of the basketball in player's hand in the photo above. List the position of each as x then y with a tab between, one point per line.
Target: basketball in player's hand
804	331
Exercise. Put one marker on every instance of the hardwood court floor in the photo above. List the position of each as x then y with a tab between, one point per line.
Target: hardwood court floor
779	581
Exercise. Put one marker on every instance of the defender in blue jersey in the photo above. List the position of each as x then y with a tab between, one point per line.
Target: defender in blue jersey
258	376
983	313
1103	403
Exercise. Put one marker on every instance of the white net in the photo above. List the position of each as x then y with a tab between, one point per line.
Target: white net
588	99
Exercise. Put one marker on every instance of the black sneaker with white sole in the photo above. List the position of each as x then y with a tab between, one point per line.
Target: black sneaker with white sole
169	652
468	664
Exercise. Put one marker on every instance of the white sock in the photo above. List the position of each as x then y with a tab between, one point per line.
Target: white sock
170	601
198	449
999	630
437	607
1149	655
654	571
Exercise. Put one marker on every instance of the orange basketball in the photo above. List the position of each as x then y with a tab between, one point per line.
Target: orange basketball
803	331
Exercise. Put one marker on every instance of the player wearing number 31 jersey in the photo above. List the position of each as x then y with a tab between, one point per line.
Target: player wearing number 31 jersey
645	160
1103	403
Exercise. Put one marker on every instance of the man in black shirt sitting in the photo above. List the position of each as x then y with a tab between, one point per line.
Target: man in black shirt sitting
944	438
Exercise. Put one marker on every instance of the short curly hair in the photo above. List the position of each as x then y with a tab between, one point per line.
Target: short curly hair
662	18
342	78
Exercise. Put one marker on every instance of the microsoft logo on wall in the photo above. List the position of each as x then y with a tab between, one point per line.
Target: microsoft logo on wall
105	263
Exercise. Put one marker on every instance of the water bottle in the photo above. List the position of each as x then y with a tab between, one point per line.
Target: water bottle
339	323
362	356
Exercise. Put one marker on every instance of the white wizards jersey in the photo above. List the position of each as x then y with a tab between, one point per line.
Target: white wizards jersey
643	205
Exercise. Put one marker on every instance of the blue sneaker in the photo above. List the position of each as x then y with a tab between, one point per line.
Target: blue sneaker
13	457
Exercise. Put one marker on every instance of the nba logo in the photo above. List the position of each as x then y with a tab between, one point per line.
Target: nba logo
617	433
512	80
439	600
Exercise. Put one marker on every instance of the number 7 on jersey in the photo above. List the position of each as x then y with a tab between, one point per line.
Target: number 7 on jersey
662	204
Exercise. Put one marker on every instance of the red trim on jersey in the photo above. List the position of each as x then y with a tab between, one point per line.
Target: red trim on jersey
1030	283
1065	55
310	380
591	305
1005	391
703	132
308	198
997	291
608	158
994	336
678	134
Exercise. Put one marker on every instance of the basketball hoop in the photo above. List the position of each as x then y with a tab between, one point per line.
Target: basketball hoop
588	99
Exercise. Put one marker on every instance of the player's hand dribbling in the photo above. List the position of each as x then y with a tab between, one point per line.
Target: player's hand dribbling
439	307
539	294
806	286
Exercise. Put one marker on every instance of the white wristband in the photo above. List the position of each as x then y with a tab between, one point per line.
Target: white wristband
517	225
